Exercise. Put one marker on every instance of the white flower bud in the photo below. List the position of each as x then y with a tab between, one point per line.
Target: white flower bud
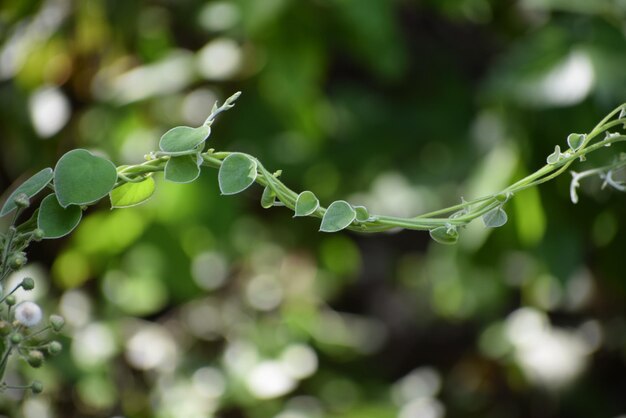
28	314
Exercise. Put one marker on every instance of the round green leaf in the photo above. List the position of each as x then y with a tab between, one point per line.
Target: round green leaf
131	194
338	216
237	173
306	204
183	169
55	220
495	218
444	235
362	214
30	187
183	138
575	141
268	198
81	178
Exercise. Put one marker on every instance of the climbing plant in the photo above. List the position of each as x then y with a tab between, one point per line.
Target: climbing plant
82	178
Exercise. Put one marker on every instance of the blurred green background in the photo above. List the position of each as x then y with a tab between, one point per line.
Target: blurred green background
199	305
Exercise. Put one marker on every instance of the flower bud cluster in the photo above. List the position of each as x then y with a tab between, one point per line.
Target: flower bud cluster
25	333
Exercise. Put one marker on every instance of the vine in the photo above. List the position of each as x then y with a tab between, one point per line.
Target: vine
81	178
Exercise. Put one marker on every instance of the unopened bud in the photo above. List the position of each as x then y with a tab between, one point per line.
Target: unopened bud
16	339
38	234
22	200
17	260
5	328
36	387
28	283
35	358
54	348
10	300
57	322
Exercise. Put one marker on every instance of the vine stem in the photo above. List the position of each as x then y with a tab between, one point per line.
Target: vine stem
469	210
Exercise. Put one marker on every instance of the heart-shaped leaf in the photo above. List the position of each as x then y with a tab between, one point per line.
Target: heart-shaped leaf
183	169
495	218
183	138
55	220
362	214
81	178
132	194
268	198
575	141
306	204
30	187
445	235
237	173
338	216
555	156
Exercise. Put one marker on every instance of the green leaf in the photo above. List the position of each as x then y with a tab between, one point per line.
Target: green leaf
30	187
55	220
495	218
237	173
306	204
183	138
183	169
445	235
555	156
338	216
575	141
362	214
81	178
268	198
132	194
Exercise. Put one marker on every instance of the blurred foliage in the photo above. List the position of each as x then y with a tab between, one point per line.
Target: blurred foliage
200	305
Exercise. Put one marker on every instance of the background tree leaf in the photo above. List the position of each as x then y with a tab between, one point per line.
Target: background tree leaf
338	216
55	220
183	138
306	204
132	194
30	187
237	173
182	169
81	178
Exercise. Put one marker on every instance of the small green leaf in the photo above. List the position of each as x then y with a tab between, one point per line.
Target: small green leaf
575	141
131	194
306	204
183	169
268	198
495	218
445	235
362	214
81	178
338	216
183	138
237	173
55	220
555	156
30	187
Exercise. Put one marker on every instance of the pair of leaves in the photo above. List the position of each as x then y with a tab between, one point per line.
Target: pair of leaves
450	235
184	167
80	178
